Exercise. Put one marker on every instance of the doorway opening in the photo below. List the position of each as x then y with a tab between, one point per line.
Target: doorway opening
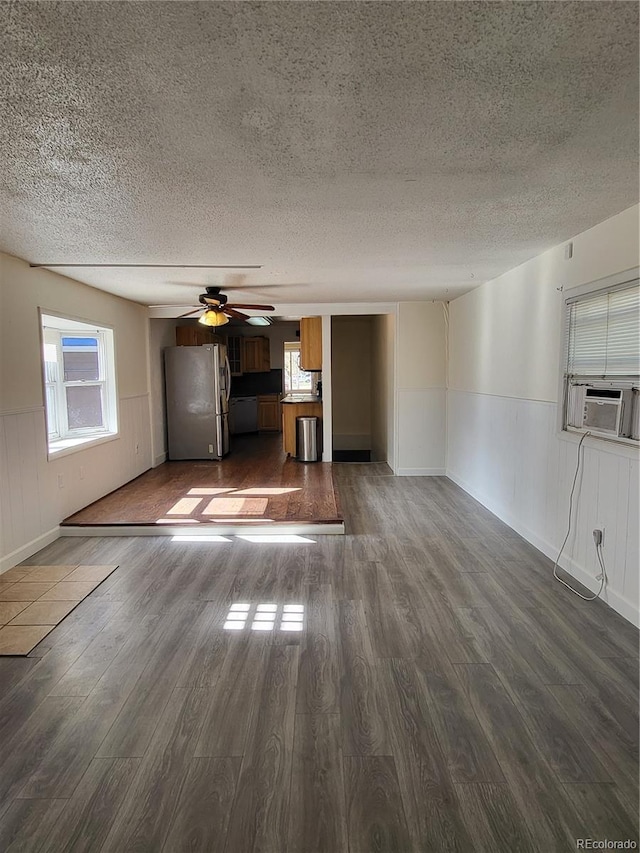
361	387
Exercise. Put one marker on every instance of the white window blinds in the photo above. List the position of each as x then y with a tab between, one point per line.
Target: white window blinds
604	333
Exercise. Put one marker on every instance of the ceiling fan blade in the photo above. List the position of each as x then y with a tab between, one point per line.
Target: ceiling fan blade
189	313
252	307
233	313
256	287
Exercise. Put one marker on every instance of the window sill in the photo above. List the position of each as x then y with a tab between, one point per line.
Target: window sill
67	446
625	447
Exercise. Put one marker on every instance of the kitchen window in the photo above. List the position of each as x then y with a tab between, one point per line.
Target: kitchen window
602	361
79	383
295	378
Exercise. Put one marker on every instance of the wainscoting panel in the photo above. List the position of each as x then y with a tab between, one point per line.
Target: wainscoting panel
32	499
507	453
421	432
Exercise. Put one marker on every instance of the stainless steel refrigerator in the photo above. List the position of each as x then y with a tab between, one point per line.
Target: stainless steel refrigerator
197	383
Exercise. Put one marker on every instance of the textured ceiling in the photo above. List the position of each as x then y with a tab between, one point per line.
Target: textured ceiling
358	151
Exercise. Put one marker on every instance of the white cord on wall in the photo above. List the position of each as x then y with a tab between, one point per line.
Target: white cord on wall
602	577
445	312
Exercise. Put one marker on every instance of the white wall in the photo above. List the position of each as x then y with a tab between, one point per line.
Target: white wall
420	378
504	446
32	503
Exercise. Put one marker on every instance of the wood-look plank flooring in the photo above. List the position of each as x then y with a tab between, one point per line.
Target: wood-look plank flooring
437	692
256	483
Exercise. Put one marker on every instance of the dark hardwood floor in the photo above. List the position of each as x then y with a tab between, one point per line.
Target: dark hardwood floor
256	483
419	684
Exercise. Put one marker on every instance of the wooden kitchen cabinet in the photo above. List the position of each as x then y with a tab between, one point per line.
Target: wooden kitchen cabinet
196	336
311	343
256	357
290	411
269	417
234	354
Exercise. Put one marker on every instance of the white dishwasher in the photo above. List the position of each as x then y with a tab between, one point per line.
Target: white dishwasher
243	415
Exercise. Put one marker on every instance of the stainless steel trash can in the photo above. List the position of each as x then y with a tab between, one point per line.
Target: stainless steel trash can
307	439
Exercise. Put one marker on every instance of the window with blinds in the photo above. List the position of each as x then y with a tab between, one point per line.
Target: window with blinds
604	333
602	362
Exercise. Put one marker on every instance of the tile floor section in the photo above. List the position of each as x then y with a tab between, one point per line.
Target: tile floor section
34	599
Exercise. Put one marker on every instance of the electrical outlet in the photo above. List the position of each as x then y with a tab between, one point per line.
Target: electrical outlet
60	481
598	536
211	448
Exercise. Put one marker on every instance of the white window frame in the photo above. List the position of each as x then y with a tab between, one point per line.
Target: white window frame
630	382
290	347
61	439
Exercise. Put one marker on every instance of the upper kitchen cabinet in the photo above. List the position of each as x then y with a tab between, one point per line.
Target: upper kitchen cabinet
256	356
311	343
195	335
234	354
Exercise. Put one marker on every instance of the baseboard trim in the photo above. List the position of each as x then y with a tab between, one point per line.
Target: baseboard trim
617	602
420	472
319	529
159	459
28	550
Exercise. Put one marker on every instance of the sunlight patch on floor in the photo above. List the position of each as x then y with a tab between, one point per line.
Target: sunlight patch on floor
264	617
267	491
205	538
276	538
184	506
207	491
236	506
177	521
237	502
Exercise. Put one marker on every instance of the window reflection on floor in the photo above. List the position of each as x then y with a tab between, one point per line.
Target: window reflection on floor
264	616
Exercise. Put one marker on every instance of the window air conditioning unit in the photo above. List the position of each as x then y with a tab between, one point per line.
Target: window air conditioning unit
606	411
635	418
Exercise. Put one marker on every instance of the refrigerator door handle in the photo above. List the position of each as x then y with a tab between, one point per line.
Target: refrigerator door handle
228	370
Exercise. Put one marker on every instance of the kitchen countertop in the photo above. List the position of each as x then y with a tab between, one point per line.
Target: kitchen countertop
301	398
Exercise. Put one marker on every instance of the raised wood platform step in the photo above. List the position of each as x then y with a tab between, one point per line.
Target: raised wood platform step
255	487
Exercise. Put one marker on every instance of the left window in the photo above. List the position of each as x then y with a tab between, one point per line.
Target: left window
79	382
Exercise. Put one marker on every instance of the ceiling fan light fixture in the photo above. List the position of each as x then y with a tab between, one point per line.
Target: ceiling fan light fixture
213	318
